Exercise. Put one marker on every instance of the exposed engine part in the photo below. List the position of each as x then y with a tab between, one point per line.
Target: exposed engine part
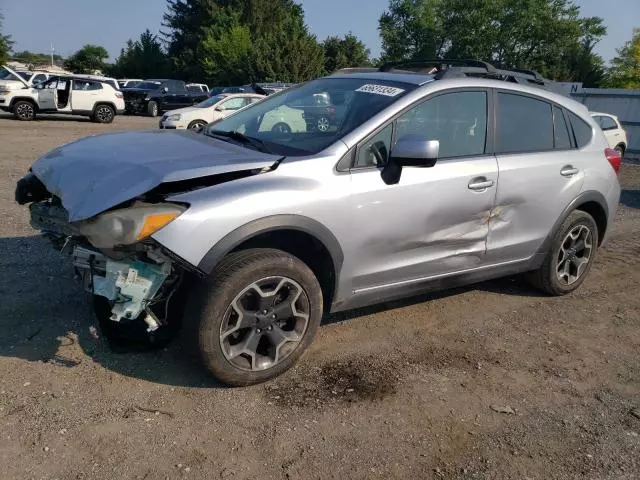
152	321
130	283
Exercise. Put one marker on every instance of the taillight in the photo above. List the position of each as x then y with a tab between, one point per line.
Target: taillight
615	159
331	110
119	95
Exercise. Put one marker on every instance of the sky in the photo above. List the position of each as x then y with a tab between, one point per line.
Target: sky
35	24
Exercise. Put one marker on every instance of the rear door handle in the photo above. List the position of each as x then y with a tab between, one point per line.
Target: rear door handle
568	171
480	183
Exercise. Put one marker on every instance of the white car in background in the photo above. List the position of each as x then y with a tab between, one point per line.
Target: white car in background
210	110
616	136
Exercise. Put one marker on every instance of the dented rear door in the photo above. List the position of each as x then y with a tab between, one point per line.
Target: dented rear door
541	173
435	220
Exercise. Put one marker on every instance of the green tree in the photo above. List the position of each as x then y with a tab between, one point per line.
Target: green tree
225	57
204	34
88	59
5	44
144	58
625	68
544	35
412	29
342	52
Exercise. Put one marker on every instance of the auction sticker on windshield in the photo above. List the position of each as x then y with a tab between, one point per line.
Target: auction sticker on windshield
380	90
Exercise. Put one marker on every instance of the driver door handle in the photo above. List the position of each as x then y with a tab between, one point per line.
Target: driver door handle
480	183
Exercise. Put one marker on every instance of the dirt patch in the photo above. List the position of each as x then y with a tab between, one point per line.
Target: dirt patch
336	382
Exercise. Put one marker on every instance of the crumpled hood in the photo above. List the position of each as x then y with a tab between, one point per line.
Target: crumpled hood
12	85
99	172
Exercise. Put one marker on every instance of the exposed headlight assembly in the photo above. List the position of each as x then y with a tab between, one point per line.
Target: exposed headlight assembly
174	118
128	225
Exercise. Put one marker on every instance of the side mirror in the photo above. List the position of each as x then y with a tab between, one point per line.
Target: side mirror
220	108
410	151
413	151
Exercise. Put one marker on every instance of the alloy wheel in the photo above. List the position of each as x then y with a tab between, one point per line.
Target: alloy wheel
104	114
574	254
323	124
264	323
197	126
25	111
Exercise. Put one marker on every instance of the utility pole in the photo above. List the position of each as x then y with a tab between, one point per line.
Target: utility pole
52	50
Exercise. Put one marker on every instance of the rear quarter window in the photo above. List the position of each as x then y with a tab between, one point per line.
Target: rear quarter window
581	130
524	124
561	133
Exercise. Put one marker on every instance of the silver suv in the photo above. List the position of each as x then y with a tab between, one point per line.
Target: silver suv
263	223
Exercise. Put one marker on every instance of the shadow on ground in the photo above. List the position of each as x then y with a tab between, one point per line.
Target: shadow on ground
630	198
45	316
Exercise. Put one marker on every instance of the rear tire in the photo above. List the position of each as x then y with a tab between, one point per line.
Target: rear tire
252	347
152	109
103	114
24	110
570	257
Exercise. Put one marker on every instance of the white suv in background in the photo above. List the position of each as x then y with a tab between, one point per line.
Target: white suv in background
93	97
212	109
614	133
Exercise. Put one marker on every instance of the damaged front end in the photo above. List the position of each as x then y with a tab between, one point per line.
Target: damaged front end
112	253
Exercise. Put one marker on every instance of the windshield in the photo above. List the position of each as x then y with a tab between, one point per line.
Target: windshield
210	102
7	75
149	85
25	75
307	119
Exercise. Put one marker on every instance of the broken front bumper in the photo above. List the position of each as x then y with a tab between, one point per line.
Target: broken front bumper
130	285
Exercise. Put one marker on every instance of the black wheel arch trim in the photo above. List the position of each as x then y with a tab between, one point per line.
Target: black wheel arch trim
584	197
272	224
98	104
24	99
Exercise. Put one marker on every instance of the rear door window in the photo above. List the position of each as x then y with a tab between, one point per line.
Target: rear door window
562	139
524	124
86	85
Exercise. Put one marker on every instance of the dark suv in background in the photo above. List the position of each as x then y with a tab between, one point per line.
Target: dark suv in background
152	97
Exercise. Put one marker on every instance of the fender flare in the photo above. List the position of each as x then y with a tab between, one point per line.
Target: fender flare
584	197
272	224
27	99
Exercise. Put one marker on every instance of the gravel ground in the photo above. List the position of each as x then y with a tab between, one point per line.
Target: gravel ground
491	381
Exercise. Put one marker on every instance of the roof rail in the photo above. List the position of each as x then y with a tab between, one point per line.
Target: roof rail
356	70
437	63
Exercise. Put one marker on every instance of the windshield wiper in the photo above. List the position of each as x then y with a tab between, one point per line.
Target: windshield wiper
242	138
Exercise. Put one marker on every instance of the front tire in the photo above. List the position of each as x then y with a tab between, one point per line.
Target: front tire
152	109
570	257
255	315
24	111
197	125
